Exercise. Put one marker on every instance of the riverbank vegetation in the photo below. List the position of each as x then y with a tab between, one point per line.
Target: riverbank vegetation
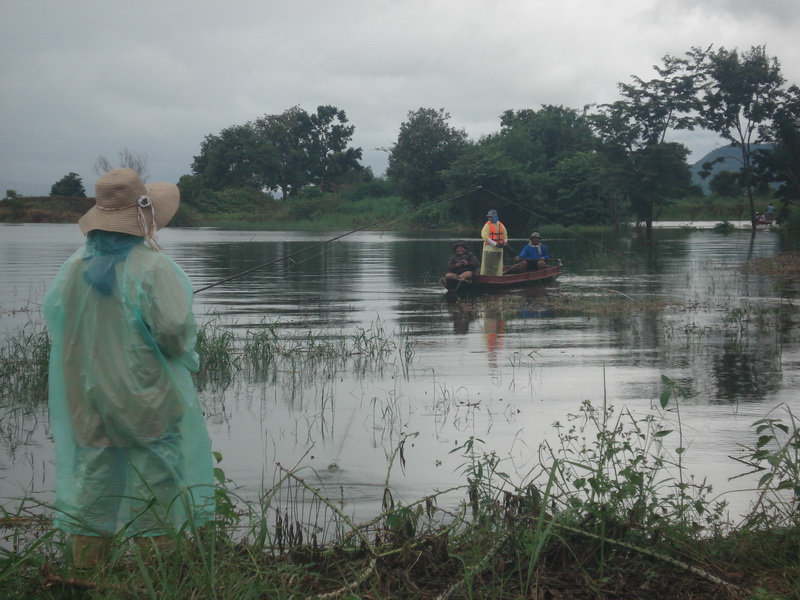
603	164
607	510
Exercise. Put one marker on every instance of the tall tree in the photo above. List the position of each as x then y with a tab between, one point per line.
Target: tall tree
70	186
330	159
546	136
426	146
235	158
310	148
634	132
543	139
283	152
740	96
782	164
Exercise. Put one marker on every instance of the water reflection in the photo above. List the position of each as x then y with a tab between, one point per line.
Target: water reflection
502	367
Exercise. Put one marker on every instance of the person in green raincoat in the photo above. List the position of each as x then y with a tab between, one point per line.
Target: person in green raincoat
133	457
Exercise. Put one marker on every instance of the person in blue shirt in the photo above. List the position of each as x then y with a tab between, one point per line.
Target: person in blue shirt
534	256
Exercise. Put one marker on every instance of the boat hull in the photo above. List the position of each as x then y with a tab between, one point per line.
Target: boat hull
499	282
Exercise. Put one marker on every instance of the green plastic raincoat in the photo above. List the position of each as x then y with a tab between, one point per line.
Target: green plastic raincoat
132	449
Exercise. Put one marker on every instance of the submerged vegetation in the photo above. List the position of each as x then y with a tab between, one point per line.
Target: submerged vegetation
607	510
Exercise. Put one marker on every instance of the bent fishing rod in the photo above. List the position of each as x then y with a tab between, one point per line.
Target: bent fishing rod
289	256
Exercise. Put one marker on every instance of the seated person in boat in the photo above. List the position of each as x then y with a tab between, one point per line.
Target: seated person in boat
533	257
462	264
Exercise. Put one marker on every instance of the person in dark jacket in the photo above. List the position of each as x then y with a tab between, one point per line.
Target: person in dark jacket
462	264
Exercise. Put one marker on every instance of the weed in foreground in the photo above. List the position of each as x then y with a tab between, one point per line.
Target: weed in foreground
606	513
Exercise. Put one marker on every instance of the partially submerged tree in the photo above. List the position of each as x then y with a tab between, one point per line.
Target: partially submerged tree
739	97
651	171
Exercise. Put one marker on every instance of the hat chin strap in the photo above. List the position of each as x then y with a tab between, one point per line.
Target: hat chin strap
146	209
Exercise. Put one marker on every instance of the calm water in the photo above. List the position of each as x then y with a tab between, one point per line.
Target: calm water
500	368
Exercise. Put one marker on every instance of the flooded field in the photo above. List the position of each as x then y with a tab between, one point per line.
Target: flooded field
362	352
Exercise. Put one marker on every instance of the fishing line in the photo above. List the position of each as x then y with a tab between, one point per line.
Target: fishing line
577	235
402	215
335	464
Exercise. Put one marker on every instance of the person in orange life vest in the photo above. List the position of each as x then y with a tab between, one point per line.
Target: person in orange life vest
494	236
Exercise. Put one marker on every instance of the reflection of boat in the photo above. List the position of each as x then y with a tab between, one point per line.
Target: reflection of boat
764	222
506	280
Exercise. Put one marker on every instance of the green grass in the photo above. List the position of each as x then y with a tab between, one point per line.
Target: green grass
606	512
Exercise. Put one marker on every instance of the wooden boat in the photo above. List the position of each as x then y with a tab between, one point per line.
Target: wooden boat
506	280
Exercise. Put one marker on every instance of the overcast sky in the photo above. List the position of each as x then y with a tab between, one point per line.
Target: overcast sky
87	78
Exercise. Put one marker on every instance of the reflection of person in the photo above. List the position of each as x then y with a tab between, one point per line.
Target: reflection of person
132	449
494	236
534	255
462	264
463	313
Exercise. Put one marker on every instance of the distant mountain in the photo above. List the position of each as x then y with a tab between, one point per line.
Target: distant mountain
732	161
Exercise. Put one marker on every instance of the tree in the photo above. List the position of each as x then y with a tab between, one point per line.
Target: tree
69	186
330	161
236	158
782	164
486	164
740	96
727	184
127	159
311	149
634	132
426	146
586	193
545	137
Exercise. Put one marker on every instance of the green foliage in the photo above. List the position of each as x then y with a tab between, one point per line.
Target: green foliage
724	227
727	183
585	191
777	454
235	158
425	146
741	94
284	152
649	171
69	186
487	164
372	187
782	164
545	137
529	162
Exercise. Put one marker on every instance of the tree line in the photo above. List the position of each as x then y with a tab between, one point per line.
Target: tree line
599	164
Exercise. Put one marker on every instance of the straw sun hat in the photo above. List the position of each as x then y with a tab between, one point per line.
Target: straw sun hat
125	204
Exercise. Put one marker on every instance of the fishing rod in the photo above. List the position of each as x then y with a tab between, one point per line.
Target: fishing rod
551	222
289	256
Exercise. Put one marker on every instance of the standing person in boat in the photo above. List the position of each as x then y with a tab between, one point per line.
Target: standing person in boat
133	457
463	263
534	255
494	236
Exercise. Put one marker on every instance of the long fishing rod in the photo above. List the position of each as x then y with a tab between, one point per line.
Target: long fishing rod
338	237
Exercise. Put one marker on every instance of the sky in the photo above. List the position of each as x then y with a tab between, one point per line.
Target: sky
88	78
